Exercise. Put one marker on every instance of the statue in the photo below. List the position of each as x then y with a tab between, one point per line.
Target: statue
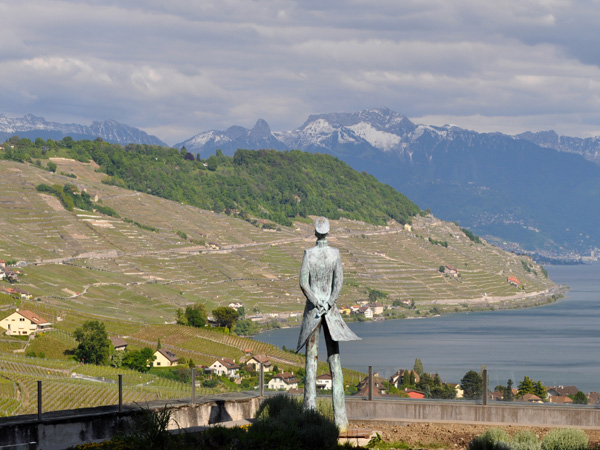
321	278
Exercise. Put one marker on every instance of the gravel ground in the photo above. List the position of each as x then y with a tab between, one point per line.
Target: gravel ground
446	435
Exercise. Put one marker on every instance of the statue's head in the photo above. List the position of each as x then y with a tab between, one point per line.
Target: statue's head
321	227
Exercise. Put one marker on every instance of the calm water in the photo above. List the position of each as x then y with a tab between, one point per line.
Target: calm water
557	343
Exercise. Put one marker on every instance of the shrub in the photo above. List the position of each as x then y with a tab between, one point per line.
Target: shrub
565	439
492	439
525	440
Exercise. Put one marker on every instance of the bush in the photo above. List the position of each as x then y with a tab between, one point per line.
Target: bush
525	440
492	439
565	439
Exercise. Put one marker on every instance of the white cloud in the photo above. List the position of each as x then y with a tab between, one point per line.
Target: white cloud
183	66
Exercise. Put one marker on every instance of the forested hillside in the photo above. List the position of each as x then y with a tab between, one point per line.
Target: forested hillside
268	184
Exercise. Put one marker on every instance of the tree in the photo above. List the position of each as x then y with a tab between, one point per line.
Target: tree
51	166
580	398
225	316
418	367
472	385
540	390
140	360
94	345
508	393
245	327
526	387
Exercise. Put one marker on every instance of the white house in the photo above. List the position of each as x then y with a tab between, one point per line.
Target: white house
24	323
324	381
283	381
225	366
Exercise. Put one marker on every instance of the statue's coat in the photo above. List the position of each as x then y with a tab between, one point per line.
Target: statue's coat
321	278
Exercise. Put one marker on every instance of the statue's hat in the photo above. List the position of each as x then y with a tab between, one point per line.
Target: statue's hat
322	225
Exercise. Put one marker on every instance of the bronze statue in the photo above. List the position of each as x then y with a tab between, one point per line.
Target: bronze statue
321	278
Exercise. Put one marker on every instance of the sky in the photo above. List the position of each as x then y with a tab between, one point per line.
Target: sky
181	67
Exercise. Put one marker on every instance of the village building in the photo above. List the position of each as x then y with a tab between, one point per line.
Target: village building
399	377
283	381
225	366
379	389
514	281
407	227
119	344
561	391
561	400
24	323
164	358
345	310
414	394
324	382
235	305
377	308
452	271
257	361
366	311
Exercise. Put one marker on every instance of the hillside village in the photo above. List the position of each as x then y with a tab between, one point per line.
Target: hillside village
133	274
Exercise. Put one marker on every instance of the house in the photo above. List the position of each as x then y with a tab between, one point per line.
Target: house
24	323
257	361
497	396
407	227
345	310
377	308
593	398
367	311
164	358
452	271
225	366
2	264
418	395
561	400
561	390
459	390
118	343
514	281
398	378
531	398
379	389
235	305
283	381
324	382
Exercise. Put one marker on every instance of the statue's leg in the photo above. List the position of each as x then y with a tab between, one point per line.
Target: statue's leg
337	379
312	357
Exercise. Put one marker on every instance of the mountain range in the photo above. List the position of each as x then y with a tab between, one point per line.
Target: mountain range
534	192
32	127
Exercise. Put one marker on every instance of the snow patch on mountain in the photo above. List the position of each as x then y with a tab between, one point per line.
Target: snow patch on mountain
379	139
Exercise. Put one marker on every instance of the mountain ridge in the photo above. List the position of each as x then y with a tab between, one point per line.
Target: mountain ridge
32	127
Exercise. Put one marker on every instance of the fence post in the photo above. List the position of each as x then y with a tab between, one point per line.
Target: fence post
193	385
261	381
485	387
120	392
371	384
39	385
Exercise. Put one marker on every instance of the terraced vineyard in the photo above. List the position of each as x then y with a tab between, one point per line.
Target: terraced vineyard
81	265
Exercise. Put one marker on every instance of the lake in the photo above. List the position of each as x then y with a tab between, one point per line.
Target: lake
557	343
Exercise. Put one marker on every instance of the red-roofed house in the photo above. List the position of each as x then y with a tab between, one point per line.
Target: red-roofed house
514	281
414	394
24	323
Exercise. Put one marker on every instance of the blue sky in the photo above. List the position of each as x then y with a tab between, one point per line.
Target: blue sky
180	67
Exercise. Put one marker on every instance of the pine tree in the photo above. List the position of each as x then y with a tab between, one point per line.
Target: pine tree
508	393
418	367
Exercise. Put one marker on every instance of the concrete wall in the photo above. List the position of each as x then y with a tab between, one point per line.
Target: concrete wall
514	413
61	429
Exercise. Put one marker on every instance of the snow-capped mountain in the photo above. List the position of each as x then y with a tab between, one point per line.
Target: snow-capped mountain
589	148
32	127
230	140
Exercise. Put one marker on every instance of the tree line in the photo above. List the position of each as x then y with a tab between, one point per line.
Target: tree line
267	184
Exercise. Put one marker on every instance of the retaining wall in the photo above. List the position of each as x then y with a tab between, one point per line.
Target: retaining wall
516	413
61	429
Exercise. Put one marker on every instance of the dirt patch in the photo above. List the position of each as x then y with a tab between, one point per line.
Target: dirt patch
53	202
447	435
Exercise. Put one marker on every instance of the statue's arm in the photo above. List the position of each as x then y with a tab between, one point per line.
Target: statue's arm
338	280
305	281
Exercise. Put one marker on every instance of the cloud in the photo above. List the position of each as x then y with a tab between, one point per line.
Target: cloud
182	67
